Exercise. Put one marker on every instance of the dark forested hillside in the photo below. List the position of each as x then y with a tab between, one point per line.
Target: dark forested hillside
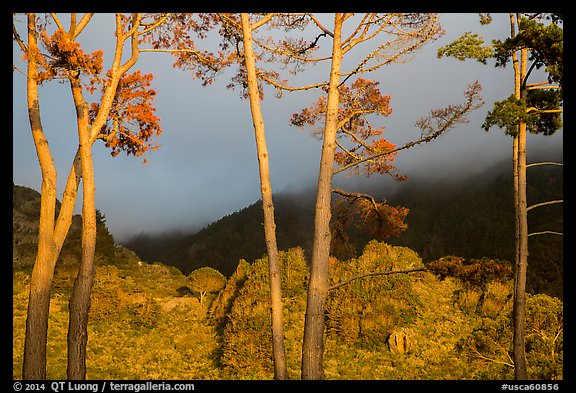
475	218
25	218
471	218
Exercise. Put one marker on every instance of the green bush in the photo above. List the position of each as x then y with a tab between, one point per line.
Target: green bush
365	311
544	337
246	351
206	280
488	347
220	308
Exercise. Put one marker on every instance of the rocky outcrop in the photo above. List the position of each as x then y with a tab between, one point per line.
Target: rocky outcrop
400	341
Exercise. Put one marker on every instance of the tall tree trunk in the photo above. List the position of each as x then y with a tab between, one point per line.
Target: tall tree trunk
34	366
43	272
267	205
520	214
80	299
313	343
520	367
519	342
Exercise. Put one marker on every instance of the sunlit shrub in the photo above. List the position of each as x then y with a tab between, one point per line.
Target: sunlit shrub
365	311
467	299
544	337
488	347
246	351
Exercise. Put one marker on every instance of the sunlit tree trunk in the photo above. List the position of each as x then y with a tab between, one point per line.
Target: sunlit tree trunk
267	205
80	300
50	237
34	366
313	343
41	282
520	210
519	342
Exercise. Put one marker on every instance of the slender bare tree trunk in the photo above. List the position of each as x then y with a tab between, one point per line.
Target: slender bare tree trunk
519	341
313	343
267	205
520	211
80	300
520	366
41	282
50	237
34	366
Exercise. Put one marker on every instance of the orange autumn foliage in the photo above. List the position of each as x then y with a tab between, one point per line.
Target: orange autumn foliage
357	137
132	122
66	58
359	210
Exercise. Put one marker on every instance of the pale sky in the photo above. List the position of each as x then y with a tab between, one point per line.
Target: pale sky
207	167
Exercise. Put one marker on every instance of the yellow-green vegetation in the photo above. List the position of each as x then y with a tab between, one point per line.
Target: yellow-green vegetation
246	336
139	327
206	280
399	326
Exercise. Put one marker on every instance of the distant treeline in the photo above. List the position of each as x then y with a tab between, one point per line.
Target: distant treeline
471	218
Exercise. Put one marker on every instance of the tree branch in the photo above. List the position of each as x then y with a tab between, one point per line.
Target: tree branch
372	274
544	163
543	87
354	156
544	204
133	33
82	24
406	146
545	233
490	359
289	88
455	114
419	40
538	111
57	21
262	21
19	40
196	53
152	26
356	195
320	26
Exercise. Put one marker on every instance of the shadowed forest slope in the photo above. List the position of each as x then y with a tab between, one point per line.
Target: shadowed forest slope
25	219
472	217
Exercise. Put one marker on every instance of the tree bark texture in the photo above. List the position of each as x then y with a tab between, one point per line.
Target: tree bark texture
80	300
278	349
519	341
313	342
34	366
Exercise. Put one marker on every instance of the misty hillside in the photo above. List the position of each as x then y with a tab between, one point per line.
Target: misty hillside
471	218
475	218
239	235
